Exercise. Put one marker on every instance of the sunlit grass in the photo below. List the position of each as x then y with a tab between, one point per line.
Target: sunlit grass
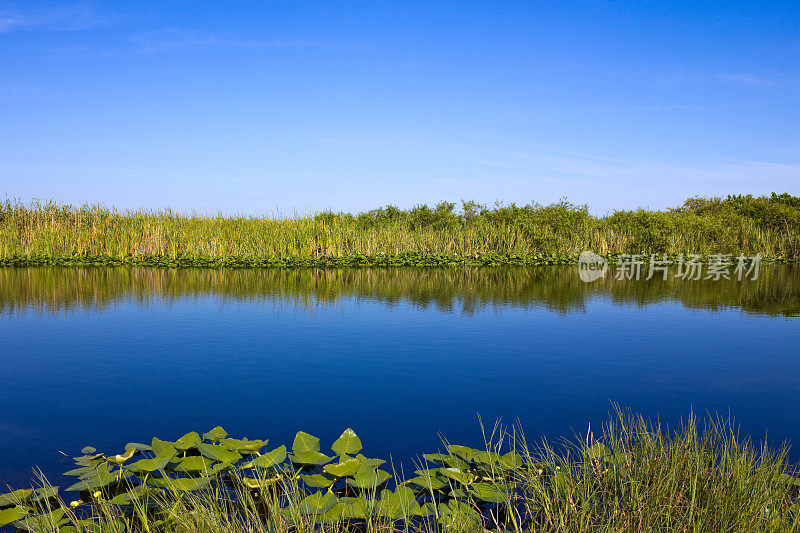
61	232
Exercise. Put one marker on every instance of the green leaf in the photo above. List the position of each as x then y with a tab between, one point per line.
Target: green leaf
218	453
511	461
489	492
44	493
162	447
487	458
215	435
276	456
13	498
182	484
458	515
398	504
369	464
597	451
303	442
188	441
462	451
369	479
12	514
195	463
150	465
310	458
318	481
243	445
138	447
457	475
88	450
348	442
429	483
343	469
317	503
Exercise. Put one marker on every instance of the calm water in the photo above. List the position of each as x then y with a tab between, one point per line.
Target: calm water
105	356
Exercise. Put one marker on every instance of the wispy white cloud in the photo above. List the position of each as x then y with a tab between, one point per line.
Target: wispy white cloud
51	16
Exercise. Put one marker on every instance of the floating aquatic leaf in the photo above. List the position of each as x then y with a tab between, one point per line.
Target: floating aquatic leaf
310	458
215	435
317	503
194	463
12	514
162	447
218	453
511	461
462	451
490	492
598	451
243	446
188	441
398	504
429	483
150	465
43	493
457	475
276	456
347	443
13	498
369	464
354	509
318	480
487	458
121	458
303	442
44	522
138	447
259	483
88	450
458	515
369	479
182	484
343	469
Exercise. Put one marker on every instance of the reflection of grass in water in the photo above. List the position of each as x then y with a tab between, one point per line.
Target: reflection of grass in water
634	475
769	226
775	292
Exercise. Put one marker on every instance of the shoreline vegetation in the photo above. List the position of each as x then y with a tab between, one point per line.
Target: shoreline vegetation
472	235
635	475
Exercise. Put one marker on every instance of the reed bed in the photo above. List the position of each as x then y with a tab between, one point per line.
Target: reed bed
49	233
634	475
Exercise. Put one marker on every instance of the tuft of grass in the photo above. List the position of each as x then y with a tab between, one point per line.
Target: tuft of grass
49	233
636	475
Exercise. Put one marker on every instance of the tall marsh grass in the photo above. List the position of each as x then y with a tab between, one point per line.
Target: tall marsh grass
767	225
634	475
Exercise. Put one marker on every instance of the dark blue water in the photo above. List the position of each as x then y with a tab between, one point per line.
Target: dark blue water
106	370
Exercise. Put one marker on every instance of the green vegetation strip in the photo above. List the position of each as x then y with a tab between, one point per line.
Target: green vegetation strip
473	235
635	477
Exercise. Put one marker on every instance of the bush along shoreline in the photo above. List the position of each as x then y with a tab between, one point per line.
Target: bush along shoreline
635	476
440	236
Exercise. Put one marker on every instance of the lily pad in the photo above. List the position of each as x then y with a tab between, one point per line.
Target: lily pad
149	465
188	441
12	514
195	463
489	492
218	453
343	469
369	479
276	456
303	442
317	503
215	435
310	458
318	481
13	498
347	443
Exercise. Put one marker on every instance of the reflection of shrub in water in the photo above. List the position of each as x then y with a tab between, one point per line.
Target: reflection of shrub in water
468	290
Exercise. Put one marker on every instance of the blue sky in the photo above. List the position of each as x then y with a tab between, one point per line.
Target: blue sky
277	107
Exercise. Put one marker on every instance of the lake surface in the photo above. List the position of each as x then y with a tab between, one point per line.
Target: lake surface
103	356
